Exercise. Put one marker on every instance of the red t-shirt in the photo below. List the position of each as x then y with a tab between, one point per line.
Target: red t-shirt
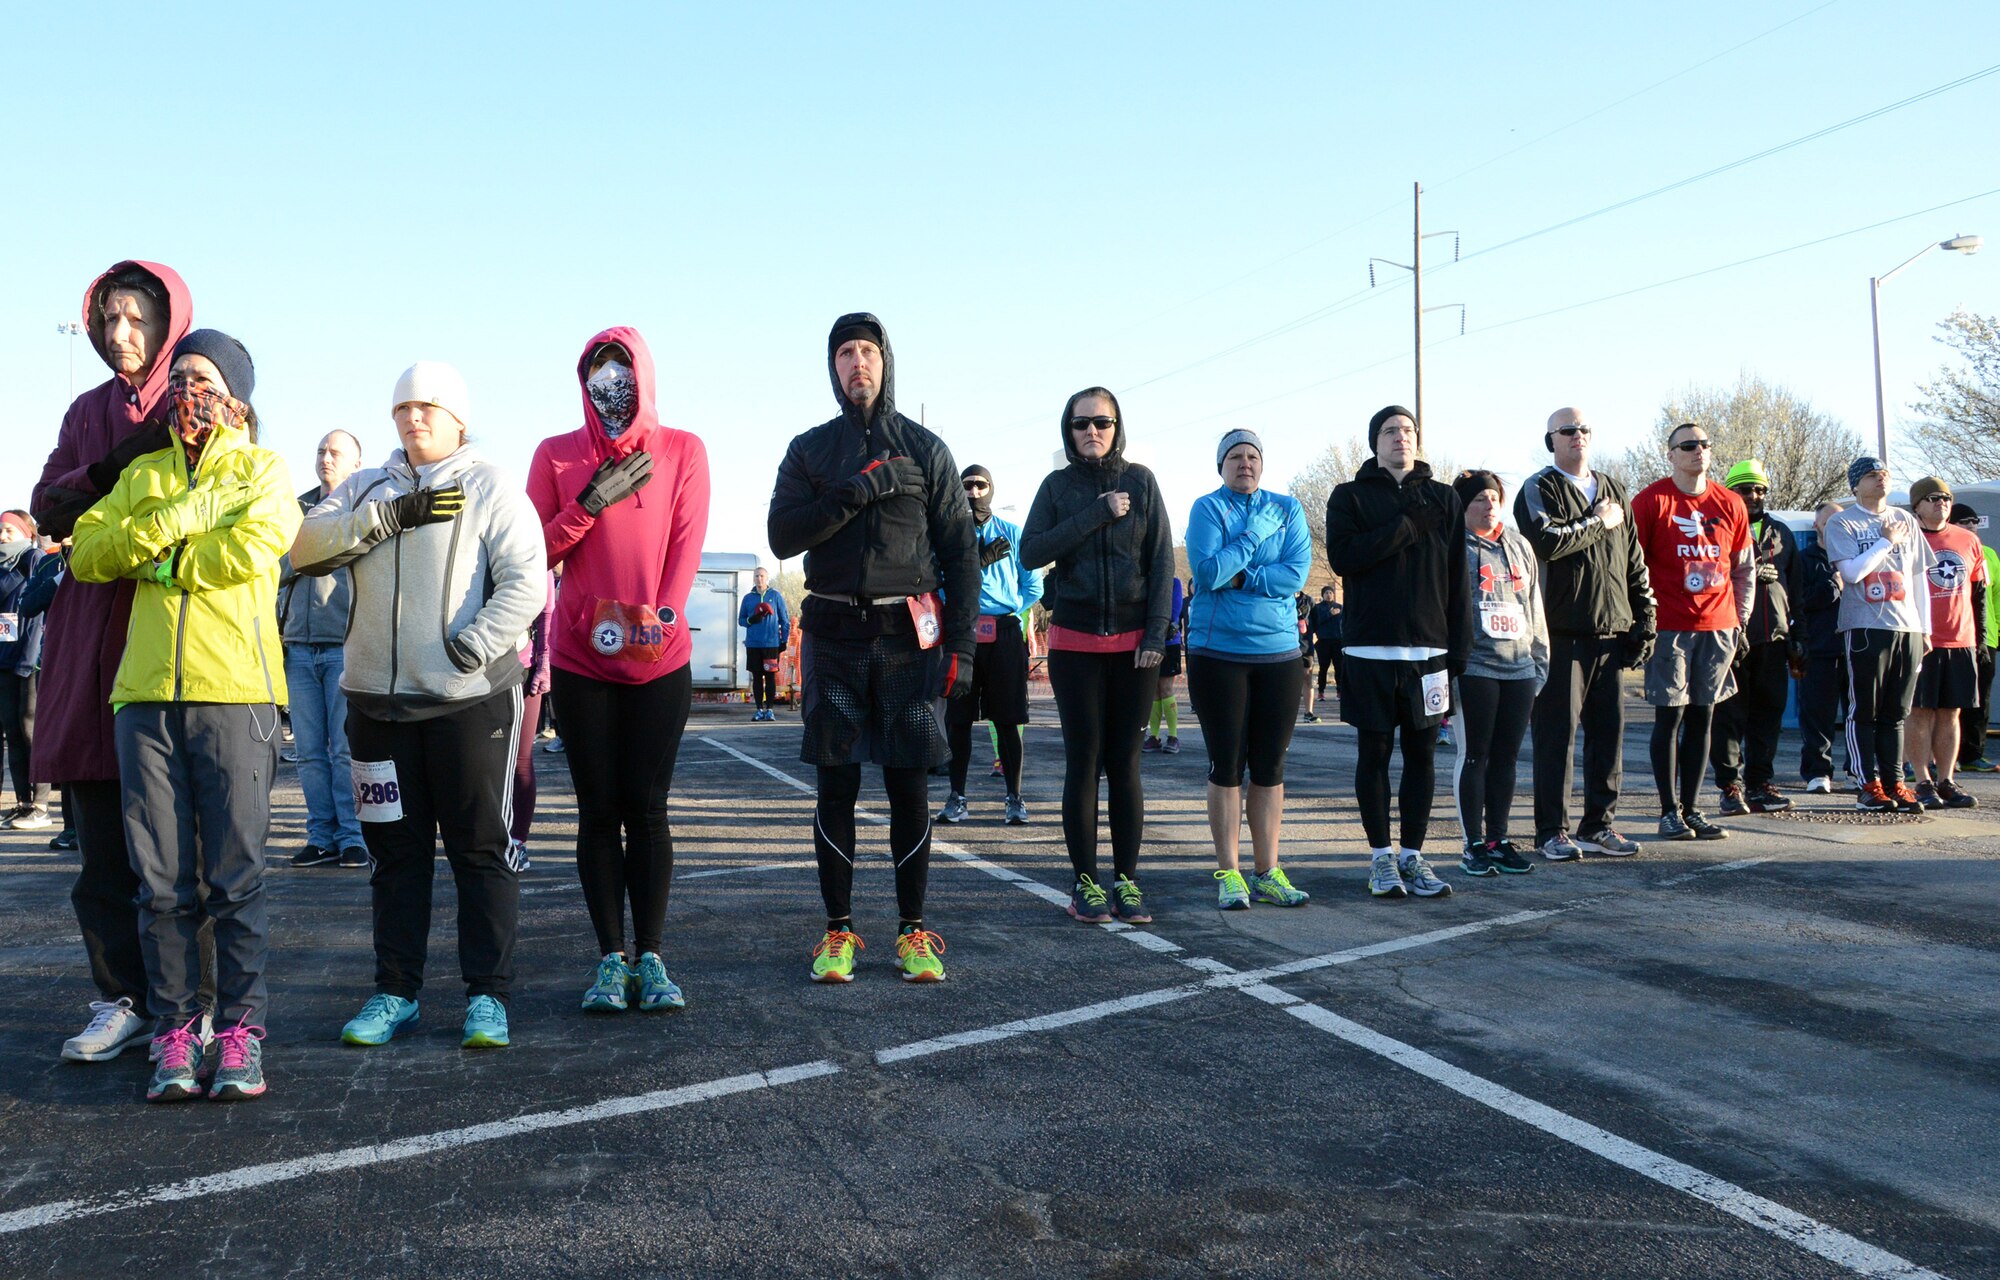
1691	543
1960	563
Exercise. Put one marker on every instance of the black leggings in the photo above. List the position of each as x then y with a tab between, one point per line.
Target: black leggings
763	682
1690	757
1103	701
1371	784
1247	712
958	736
1492	719
621	741
909	838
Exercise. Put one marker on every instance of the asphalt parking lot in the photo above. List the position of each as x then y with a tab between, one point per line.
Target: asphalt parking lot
1767	1056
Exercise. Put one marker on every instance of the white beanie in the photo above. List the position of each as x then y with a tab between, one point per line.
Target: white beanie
437	383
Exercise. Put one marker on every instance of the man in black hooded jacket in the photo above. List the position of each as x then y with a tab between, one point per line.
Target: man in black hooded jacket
873	501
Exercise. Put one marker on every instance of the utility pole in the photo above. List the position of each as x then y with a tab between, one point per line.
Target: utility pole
1416	269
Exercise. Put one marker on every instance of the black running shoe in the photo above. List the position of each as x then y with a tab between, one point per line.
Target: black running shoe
1733	803
1767	799
1477	860
314	855
1703	829
1511	861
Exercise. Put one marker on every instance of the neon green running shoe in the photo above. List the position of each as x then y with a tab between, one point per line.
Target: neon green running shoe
833	958
1275	887
918	951
1231	894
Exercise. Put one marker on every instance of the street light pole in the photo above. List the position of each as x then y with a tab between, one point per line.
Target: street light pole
72	331
1957	244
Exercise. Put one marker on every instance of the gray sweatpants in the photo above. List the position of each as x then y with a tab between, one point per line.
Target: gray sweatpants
197	787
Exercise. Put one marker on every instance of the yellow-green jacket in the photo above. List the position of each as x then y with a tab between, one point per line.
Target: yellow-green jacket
204	619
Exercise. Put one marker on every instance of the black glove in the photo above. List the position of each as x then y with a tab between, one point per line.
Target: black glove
886	477
461	654
425	506
1423	514
150	438
58	511
955	675
994	552
1638	649
616	481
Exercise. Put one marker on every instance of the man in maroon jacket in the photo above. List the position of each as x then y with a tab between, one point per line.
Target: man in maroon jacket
134	314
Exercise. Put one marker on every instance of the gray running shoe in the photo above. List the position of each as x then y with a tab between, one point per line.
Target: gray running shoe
1672	828
1607	842
1383	879
955	809
1172	747
1420	879
1560	848
1017	811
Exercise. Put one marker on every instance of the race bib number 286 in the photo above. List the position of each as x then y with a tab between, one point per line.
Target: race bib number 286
377	797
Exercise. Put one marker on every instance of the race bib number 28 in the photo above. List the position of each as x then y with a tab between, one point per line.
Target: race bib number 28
377	797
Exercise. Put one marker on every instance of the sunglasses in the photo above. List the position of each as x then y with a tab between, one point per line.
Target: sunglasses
1578	430
1939	497
1099	423
1690	446
975	486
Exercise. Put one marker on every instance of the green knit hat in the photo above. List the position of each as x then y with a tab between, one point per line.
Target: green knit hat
1748	471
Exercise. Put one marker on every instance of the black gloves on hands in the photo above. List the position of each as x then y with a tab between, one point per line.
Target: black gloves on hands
150	438
1424	515
461	654
886	477
994	552
616	481
425	506
955	675
1638	649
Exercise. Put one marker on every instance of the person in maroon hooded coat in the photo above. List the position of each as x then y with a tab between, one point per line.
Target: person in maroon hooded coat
134	314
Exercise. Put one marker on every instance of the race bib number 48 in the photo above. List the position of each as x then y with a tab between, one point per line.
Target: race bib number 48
377	796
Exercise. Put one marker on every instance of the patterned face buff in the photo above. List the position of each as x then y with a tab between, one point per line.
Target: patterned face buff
616	396
198	411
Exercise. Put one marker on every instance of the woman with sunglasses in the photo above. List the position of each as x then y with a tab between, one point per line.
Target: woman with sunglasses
1102	523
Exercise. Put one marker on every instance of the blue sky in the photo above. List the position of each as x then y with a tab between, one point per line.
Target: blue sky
1035	198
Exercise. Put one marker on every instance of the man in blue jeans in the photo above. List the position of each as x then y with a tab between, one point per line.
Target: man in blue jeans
312	613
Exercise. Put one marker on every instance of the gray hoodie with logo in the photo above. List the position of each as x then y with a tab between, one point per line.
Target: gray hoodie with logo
1510	638
481	578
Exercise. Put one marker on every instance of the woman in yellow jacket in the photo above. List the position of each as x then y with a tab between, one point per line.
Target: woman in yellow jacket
201	525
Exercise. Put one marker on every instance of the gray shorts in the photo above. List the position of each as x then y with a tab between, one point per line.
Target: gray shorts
1691	668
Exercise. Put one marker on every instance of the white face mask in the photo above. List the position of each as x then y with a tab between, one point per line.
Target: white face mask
616	395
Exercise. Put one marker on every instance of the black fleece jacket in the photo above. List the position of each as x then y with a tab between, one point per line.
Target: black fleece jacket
904	545
1399	549
1593	579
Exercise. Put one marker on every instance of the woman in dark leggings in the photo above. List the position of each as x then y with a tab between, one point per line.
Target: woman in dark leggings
1102	522
1506	667
1250	552
620	649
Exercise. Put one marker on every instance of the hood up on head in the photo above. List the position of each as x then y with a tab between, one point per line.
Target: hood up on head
645	414
1117	455
180	319
885	404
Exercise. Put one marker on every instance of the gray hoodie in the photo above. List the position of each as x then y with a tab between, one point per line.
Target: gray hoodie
481	577
1510	638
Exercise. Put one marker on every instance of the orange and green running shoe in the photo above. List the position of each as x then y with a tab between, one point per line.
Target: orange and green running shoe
918	950
833	958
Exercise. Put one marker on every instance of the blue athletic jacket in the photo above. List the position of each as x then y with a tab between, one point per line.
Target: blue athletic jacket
769	632
1004	586
1257	618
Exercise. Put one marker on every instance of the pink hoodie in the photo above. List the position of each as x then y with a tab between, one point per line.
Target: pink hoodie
641	553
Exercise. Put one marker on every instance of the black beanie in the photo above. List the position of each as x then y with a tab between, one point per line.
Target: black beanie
852	330
1470	484
228	357
1382	415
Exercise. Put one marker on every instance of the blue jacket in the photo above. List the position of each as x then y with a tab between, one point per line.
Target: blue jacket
23	654
771	631
1004	586
1256	618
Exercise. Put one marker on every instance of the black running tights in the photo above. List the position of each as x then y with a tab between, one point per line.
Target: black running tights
1371	784
1690	757
909	837
958	736
1103	701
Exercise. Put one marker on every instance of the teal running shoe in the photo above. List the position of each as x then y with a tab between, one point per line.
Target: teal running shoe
655	989
240	1072
1275	887
379	1020
485	1024
1231	893
610	989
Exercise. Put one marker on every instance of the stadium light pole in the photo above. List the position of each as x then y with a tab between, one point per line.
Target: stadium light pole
1957	244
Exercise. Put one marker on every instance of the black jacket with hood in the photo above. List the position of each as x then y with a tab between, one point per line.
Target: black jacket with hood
904	545
1111	575
1403	566
1773	616
1593	579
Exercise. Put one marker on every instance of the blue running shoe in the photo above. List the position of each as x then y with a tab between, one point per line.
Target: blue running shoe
656	990
485	1024
610	988
380	1019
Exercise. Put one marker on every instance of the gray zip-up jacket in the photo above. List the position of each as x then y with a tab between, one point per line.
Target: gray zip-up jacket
1510	638
481	577
312	610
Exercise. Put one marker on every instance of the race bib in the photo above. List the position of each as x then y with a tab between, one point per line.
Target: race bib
1503	619
1882	587
924	612
10	627
377	797
987	629
630	632
771	665
1437	693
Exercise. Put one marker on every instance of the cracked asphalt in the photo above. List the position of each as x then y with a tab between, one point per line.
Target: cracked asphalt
1816	1028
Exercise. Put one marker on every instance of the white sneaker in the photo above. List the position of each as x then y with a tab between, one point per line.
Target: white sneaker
1821	785
115	1026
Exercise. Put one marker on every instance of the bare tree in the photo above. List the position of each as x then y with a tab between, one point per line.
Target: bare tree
1805	452
1960	433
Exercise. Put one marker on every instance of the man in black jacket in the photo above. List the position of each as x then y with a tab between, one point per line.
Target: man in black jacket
1744	749
873	500
1326	635
1600	610
1396	537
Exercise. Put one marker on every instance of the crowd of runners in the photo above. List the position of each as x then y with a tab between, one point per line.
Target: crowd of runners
410	615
